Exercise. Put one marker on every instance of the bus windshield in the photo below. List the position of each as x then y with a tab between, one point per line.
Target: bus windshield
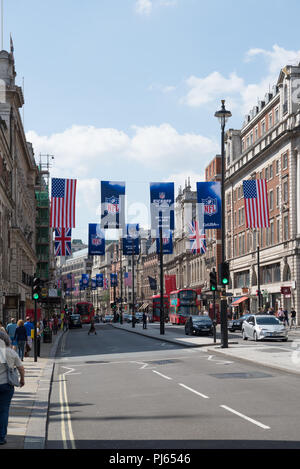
188	310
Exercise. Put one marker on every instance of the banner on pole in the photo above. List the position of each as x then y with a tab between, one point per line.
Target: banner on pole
167	242
131	242
162	205
209	194
112	205
96	240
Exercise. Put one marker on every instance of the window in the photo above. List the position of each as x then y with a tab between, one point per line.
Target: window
278	230
277	167
248	142
242	279
286	228
285	161
270	120
271	200
256	133
251	138
285	191
277	196
271	171
271	232
276	115
243	145
270	273
267	174
263	128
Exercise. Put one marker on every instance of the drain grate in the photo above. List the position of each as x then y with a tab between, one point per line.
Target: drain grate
163	362
255	374
94	361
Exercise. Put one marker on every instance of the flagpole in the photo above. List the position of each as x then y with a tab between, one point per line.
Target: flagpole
161	257
121	280
2	26
258	273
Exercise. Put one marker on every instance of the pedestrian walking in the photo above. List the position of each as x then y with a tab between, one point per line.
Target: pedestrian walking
145	318
21	338
65	322
92	327
8	358
2	328
293	318
11	329
29	326
55	325
281	315
286	317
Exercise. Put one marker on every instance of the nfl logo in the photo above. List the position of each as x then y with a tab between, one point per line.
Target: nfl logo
210	206
96	241
112	205
162	195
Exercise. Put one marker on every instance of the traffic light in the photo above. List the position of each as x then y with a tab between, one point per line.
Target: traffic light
36	288
213	280
224	273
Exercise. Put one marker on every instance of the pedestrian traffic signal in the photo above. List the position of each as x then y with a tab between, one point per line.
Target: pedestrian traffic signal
224	273
213	280
36	288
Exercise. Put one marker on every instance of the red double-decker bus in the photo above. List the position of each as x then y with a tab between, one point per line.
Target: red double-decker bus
86	311
156	307
183	304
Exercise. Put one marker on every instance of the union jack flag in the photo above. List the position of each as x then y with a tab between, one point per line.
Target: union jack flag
197	238
63	237
105	284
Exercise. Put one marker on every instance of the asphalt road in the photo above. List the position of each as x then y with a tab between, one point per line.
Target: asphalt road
122	390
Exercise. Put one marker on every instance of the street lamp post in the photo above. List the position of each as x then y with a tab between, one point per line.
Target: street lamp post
223	115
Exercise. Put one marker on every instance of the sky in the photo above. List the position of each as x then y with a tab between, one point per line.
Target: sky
126	90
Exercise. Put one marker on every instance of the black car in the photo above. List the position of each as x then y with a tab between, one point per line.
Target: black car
236	324
199	325
75	321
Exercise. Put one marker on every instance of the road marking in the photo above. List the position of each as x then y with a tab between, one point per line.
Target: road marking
259	424
65	413
160	374
193	390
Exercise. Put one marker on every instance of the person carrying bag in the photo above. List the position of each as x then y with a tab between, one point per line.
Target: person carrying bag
11	374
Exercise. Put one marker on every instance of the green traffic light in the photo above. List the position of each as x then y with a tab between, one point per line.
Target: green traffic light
225	281
35	296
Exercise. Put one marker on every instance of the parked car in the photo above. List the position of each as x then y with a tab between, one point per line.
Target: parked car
75	321
236	324
260	327
129	319
108	318
199	325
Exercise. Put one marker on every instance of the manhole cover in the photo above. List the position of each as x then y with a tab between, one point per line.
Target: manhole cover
163	362
255	374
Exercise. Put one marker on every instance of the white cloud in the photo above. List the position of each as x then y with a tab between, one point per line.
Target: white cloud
234	89
84	151
143	7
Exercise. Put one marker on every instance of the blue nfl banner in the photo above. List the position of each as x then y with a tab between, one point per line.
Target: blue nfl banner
85	280
112	205
131	242
209	195
99	280
167	242
94	284
96	240
81	287
113	280
162	205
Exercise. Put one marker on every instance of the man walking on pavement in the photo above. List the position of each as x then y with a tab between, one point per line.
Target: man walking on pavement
29	326
144	320
11	329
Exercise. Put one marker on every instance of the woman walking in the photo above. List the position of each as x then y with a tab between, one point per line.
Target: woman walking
8	357
21	338
92	327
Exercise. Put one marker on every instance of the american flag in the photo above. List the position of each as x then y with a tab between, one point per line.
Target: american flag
63	195
63	238
128	279
197	238
256	203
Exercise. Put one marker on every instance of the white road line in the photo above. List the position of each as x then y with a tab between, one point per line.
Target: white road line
193	390
259	424
160	374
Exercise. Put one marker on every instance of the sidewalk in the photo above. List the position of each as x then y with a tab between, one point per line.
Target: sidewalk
284	358
29	406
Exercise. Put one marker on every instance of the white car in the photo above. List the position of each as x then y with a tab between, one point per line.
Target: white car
260	327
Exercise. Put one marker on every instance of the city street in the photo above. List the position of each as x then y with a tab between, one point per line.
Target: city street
122	390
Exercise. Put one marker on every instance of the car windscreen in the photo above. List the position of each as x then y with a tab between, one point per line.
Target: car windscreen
202	320
75	316
267	321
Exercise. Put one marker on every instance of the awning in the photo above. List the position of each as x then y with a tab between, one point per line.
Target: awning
239	300
144	306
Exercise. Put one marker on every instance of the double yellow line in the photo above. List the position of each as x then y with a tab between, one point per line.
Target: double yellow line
66	425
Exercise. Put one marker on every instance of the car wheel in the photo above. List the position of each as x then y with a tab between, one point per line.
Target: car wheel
186	332
244	335
255	336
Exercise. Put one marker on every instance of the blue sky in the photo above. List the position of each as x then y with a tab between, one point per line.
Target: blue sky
127	89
